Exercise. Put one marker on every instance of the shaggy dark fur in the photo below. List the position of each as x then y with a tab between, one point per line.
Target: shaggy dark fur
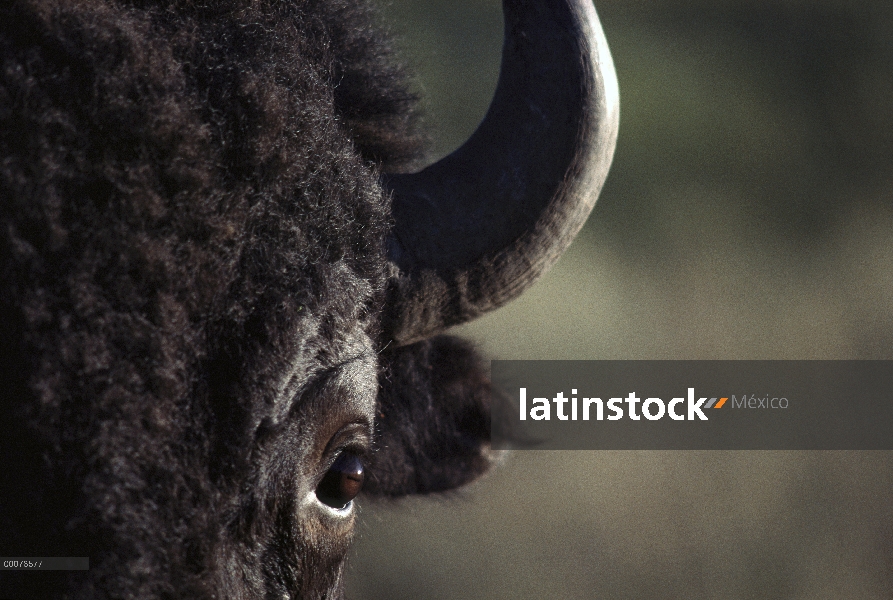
430	416
189	199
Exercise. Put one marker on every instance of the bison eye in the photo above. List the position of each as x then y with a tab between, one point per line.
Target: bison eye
342	482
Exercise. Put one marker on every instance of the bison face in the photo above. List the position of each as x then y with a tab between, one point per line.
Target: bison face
292	512
219	319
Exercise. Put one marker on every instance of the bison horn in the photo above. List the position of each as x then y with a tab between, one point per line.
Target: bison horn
478	227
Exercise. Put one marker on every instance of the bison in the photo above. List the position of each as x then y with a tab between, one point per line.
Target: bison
222	287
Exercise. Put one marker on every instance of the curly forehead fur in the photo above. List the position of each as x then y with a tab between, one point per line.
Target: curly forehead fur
189	198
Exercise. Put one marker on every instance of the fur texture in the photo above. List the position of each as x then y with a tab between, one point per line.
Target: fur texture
190	207
434	413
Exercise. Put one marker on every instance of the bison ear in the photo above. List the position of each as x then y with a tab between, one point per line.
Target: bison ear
433	421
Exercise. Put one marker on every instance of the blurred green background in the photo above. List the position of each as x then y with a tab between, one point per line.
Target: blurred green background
748	214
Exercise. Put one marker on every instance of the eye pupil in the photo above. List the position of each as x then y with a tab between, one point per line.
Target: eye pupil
342	482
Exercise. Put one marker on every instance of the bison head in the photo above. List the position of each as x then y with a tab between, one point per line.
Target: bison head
219	318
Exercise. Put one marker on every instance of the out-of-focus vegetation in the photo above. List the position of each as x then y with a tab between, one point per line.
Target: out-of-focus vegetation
748	214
